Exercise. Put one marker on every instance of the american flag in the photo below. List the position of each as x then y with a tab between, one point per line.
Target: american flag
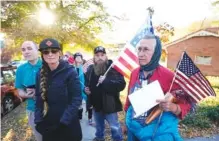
190	78
128	61
87	64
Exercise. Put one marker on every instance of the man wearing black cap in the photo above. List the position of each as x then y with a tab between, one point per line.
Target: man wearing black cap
105	97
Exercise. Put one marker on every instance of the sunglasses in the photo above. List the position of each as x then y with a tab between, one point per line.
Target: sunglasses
53	51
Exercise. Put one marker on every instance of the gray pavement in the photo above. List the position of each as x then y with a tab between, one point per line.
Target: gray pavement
212	138
88	131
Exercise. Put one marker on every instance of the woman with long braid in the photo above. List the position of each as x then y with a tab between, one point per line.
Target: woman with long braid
58	96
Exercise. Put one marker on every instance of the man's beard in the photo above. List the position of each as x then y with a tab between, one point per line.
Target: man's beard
100	67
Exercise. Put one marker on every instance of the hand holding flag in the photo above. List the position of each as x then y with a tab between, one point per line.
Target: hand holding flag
128	60
191	80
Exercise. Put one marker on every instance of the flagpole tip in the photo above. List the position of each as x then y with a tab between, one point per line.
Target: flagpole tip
150	10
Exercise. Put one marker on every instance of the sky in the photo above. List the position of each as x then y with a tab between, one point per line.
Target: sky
178	13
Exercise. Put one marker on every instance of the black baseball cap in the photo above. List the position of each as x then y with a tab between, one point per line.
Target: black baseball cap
78	54
99	49
49	43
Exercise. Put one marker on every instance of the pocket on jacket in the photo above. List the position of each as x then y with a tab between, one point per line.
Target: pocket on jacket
109	104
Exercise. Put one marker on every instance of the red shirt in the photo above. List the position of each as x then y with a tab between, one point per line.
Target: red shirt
165	77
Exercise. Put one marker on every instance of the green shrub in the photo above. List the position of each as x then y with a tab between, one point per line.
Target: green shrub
196	120
212	113
204	116
207	112
214	81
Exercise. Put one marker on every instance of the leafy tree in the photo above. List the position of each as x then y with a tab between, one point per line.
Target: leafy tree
166	31
76	21
216	2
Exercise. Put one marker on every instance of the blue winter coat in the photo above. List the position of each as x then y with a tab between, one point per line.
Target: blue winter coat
166	131
82	81
63	98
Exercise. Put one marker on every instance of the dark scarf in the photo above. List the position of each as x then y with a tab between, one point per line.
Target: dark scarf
155	58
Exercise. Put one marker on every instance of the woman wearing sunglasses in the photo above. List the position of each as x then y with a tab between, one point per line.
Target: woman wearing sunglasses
58	96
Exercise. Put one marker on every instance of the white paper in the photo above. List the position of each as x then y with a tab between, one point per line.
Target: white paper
145	98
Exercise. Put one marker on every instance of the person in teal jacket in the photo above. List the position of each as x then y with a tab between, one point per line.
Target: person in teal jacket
26	79
78	66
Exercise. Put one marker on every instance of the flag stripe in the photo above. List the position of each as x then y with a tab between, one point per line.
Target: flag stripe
207	84
125	63
189	76
178	77
194	78
131	55
204	84
129	60
193	85
122	69
87	64
185	88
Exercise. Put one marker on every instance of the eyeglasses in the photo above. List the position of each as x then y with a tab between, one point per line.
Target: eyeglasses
53	51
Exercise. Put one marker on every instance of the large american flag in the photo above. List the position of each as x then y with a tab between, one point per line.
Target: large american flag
190	78
87	64
128	61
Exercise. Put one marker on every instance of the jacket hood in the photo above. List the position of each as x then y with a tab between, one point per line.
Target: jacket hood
63	65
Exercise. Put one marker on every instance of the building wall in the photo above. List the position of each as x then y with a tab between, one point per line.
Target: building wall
196	46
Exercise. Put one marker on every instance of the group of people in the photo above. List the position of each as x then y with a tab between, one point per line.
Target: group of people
54	88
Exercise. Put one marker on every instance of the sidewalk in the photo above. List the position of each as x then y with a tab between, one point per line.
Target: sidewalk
88	131
213	138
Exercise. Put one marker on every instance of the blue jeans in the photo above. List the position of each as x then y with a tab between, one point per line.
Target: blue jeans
113	122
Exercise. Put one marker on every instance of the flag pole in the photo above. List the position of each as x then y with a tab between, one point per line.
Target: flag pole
150	12
105	73
175	71
158	110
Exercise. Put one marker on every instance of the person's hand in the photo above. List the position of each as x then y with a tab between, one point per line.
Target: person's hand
30	92
101	79
166	105
87	90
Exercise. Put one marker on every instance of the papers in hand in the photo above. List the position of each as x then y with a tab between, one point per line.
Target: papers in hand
145	98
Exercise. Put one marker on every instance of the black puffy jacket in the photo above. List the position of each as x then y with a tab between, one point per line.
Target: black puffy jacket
106	97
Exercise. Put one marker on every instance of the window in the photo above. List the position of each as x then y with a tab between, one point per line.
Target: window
203	60
8	76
